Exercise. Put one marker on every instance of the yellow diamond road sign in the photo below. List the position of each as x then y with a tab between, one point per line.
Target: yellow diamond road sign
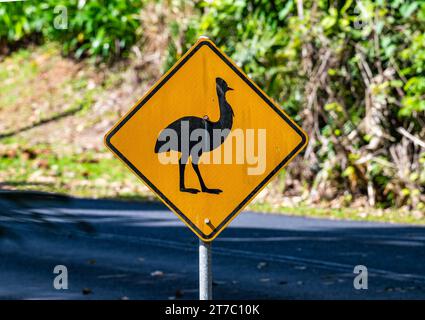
205	139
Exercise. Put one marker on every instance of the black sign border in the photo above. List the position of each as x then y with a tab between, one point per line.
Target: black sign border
253	87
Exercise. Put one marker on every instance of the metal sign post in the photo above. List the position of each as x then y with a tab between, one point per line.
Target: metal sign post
205	91
205	272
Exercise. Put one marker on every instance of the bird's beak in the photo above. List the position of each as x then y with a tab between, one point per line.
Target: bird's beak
230	89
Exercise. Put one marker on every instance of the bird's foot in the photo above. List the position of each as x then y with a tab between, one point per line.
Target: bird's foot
213	191
190	190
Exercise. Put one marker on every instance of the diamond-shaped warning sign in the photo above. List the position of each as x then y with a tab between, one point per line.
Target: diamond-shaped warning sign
205	139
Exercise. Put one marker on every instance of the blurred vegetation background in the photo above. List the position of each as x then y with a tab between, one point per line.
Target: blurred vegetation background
351	73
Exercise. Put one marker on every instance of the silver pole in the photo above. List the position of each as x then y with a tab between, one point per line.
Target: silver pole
205	274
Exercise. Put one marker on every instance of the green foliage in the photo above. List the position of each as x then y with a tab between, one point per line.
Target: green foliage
17	20
101	28
79	174
352	72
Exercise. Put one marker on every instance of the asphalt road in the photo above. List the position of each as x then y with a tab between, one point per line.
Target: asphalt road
116	250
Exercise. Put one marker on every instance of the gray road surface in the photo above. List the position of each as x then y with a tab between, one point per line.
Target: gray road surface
115	250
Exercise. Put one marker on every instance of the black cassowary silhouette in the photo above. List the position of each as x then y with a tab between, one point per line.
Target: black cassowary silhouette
204	129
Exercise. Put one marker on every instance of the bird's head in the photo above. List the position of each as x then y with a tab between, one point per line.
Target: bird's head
222	86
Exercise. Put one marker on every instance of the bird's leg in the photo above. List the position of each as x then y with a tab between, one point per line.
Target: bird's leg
182	165
201	181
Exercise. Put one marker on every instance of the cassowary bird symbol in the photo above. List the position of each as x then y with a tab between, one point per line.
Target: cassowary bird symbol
204	129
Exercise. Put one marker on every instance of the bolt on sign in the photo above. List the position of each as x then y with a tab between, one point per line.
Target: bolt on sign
206	139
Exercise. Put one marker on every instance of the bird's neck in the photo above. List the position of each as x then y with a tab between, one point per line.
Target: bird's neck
226	113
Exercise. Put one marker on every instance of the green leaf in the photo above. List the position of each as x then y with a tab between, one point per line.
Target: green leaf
286	10
407	9
328	22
